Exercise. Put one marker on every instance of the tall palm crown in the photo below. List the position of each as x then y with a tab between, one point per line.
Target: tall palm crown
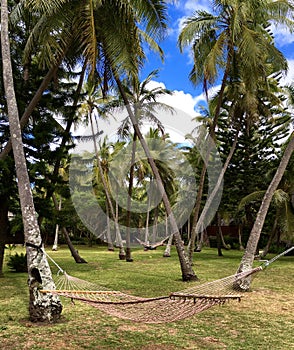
105	33
235	38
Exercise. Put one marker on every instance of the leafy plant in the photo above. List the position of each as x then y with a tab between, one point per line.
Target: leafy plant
18	262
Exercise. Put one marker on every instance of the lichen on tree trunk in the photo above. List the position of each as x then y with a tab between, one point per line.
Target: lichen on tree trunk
42	307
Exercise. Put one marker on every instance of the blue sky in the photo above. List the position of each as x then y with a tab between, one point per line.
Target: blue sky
175	70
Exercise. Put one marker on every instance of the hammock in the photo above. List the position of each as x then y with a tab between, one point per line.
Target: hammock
148	246
175	306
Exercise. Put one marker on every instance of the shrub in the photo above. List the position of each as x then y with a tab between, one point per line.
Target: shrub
18	262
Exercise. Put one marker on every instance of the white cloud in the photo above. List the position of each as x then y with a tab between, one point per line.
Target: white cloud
289	78
179	99
195	5
282	35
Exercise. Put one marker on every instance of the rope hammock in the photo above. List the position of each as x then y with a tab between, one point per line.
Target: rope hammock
175	306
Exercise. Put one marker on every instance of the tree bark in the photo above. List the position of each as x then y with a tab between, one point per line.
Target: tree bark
200	223
187	272
3	229
42	307
248	257
271	238
78	259
55	244
122	254
129	201
28	111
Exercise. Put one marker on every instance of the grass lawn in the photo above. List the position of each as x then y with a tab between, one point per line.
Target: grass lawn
263	320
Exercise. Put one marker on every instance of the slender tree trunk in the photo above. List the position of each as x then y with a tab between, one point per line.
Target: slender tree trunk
251	247
108	234
71	247
65	137
187	272
240	229
122	254
203	216
271	238
147	221
218	236
3	229
55	244
129	200
167	251
32	105
155	224
195	231
42	307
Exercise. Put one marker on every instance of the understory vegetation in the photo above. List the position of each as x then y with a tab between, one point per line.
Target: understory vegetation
262	320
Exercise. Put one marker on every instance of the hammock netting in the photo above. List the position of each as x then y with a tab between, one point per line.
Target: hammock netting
173	307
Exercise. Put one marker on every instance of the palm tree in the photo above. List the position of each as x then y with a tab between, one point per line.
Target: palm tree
187	272
283	218
92	104
145	107
111	34
234	41
42	307
248	257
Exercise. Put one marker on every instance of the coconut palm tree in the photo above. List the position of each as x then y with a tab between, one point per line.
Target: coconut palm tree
42	307
145	107
109	36
92	108
248	257
234	41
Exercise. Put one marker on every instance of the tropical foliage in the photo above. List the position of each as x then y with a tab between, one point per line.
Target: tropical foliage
69	64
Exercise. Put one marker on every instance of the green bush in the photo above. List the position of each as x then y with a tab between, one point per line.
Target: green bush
18	262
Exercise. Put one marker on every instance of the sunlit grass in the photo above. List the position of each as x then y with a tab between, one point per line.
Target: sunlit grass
263	320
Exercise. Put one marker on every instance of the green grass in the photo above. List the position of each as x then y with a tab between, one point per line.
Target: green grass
263	320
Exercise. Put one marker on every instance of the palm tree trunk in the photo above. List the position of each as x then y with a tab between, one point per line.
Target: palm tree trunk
3	229
108	235
78	259
248	257
218	236
204	168
187	272
42	307
147	220
122	254
167	251
155	224
32	105
271	238
55	244
203	216
129	201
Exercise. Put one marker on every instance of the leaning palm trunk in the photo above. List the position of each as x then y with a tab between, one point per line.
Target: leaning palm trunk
122	253
187	272
203	217
195	225
78	259
42	307
248	257
271	238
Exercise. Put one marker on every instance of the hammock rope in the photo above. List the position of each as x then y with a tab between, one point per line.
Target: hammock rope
175	306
